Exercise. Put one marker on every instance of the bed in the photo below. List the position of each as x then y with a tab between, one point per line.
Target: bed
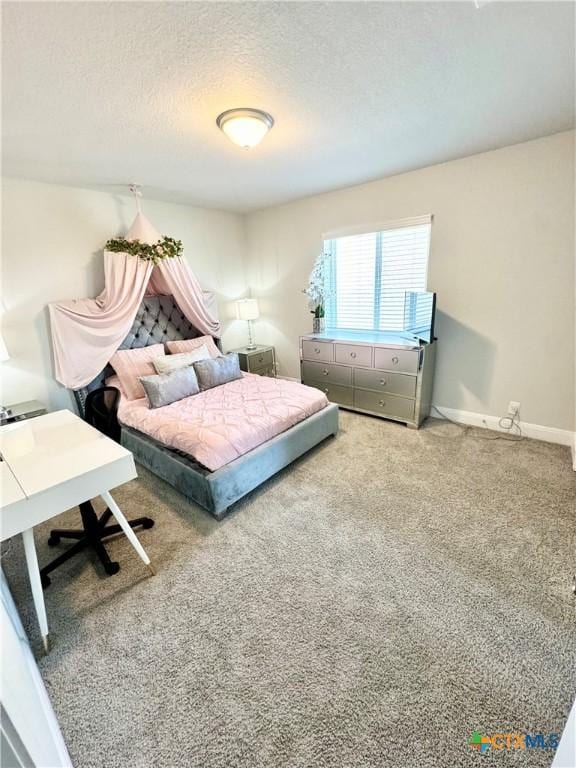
240	462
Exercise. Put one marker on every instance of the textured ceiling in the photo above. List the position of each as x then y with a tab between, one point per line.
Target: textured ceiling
98	94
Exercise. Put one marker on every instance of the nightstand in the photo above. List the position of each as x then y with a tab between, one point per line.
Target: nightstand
260	360
22	411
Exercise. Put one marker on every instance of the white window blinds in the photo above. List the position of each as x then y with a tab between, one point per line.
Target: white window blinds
369	273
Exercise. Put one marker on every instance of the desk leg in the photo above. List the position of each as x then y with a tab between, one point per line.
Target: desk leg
35	583
125	525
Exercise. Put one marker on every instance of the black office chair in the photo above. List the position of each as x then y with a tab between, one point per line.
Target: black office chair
100	412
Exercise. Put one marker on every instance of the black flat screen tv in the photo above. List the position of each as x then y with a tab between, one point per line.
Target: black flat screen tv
419	315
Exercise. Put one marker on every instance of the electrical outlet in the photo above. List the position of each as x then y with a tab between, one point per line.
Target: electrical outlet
513	408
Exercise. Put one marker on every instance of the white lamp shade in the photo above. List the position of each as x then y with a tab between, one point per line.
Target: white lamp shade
3	351
247	309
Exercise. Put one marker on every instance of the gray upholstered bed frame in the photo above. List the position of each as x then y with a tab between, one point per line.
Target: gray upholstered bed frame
159	320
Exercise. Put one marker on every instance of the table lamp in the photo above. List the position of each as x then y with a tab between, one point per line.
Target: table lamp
247	309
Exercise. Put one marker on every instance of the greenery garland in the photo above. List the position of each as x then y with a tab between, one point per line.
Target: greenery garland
167	248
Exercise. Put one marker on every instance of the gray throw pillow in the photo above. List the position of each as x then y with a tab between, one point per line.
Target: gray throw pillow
167	388
220	370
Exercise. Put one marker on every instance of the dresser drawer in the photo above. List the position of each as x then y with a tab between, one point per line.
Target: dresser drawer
335	374
318	350
385	404
267	370
353	354
396	383
334	392
260	360
402	360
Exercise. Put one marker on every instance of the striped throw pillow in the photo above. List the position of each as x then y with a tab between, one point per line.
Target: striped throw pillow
188	345
131	364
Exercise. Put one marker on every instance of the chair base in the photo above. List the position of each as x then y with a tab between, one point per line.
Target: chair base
94	530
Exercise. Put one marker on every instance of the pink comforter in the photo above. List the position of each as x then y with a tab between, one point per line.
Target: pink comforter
217	426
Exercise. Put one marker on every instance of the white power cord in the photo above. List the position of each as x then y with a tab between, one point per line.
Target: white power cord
510	423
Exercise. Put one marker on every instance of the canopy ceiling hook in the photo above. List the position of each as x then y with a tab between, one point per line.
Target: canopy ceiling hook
136	190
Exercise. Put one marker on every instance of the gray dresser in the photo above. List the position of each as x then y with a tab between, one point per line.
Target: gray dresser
380	374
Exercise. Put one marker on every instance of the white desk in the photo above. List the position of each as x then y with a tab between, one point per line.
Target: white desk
565	756
50	464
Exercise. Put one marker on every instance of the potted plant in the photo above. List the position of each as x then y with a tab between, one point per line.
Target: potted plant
316	292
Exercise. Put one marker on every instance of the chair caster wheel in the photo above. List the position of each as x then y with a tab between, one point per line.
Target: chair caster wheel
45	580
53	540
112	568
147	522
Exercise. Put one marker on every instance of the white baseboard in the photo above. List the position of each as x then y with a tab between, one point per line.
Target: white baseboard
535	431
482	420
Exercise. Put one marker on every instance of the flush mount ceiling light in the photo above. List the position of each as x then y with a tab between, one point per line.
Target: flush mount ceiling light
245	127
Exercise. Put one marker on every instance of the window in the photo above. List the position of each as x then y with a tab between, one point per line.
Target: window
368	275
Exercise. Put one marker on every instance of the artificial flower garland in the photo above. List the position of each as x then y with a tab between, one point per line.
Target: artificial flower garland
166	248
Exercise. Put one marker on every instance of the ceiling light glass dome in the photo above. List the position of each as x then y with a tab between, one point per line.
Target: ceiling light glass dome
245	127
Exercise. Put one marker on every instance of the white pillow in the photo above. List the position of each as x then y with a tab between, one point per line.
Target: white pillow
173	362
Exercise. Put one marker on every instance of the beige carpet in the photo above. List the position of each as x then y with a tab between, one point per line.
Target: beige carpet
373	605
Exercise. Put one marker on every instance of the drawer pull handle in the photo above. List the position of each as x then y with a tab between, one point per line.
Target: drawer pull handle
383	382
353	355
317	350
382	403
325	372
395	360
326	390
260	359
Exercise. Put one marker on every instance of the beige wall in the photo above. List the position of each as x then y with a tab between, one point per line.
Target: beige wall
52	249
502	262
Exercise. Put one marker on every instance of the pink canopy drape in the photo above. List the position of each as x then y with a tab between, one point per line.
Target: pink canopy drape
87	332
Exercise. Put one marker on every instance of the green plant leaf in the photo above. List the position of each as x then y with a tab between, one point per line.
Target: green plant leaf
166	248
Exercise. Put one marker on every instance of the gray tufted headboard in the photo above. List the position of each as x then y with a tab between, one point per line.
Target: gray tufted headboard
159	319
